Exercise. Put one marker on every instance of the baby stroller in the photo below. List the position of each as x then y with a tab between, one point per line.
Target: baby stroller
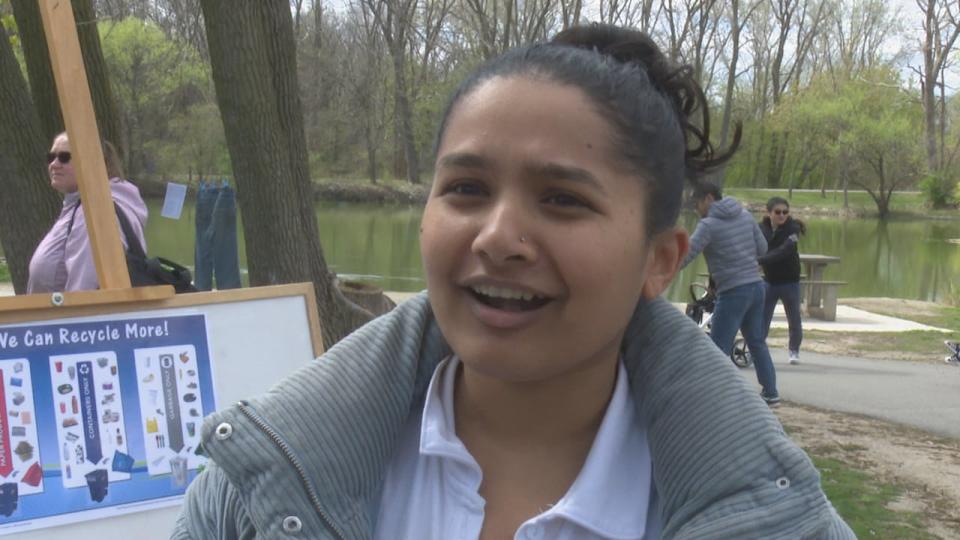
701	311
954	358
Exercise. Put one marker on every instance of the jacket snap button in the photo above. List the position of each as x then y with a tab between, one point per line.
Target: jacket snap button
292	524
783	482
224	431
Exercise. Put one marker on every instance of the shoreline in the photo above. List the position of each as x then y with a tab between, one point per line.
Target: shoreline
393	192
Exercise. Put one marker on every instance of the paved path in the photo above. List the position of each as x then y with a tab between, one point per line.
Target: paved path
926	396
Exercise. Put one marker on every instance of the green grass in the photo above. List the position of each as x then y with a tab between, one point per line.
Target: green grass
4	272
911	204
915	344
945	316
862	501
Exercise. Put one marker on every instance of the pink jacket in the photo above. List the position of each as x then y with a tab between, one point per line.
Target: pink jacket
64	261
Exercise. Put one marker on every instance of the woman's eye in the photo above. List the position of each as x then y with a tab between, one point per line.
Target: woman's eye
467	188
565	200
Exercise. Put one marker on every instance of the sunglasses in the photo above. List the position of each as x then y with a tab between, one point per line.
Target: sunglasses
64	157
781	212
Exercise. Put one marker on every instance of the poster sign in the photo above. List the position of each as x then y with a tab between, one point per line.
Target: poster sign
100	418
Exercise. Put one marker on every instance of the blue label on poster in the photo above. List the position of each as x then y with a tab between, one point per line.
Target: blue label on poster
88	408
171	401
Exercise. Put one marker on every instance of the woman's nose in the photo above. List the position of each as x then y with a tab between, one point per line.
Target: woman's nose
506	236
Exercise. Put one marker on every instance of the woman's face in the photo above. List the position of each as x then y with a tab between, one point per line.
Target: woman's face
62	176
533	237
779	214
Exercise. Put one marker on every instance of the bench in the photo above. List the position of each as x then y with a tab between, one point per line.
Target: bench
820	298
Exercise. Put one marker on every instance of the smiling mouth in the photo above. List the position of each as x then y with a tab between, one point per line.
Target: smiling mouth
507	299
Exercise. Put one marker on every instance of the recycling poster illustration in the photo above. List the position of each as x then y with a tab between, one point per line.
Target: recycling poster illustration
100	418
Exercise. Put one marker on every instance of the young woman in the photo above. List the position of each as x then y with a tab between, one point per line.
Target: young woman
64	261
541	388
781	269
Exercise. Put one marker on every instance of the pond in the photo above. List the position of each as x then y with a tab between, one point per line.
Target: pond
912	259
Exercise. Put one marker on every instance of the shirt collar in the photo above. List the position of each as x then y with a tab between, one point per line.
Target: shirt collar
611	494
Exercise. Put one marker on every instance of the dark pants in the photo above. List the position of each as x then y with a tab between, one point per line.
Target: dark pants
789	294
216	252
741	308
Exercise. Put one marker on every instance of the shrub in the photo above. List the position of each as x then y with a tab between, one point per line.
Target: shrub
939	192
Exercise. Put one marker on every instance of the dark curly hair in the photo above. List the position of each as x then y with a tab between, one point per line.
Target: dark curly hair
658	111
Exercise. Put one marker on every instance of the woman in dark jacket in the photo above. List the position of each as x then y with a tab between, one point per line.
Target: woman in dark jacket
781	268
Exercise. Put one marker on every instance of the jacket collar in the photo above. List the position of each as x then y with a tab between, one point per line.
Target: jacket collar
718	453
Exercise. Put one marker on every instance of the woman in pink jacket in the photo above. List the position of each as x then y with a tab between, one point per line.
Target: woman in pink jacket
64	261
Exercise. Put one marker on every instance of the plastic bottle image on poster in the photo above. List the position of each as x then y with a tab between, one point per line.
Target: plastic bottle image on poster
100	418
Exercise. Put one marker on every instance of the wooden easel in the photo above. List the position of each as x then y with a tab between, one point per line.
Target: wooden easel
76	103
115	293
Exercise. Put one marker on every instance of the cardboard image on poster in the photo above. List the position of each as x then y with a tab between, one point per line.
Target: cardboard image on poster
102	417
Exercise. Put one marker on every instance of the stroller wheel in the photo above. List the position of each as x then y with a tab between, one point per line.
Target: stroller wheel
740	354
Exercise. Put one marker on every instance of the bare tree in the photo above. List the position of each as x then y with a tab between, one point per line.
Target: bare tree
941	26
736	22
571	12
501	24
802	20
364	76
395	19
627	13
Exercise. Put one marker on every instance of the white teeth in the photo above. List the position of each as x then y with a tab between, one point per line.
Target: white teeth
500	292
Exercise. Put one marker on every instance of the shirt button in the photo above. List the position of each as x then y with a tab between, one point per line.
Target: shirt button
292	525
224	431
783	482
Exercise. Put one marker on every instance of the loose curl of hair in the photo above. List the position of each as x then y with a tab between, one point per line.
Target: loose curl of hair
658	111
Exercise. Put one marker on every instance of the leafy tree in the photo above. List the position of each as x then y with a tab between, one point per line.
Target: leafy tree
154	78
866	129
42	86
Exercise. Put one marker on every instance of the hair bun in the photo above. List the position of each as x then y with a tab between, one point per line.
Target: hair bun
675	82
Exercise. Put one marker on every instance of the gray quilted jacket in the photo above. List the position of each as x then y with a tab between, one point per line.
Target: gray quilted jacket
307	459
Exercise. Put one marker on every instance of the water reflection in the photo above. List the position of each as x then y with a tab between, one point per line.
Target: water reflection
900	259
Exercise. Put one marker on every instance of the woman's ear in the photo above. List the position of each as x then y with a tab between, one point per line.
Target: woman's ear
667	250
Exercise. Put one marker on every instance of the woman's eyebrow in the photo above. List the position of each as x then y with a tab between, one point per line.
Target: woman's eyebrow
464	159
555	171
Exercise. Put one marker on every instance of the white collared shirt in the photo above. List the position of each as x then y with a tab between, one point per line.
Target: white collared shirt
431	489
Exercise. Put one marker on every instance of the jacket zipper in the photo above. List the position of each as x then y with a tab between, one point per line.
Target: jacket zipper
292	458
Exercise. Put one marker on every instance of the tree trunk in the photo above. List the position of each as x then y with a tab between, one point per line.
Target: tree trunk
929	101
44	91
253	60
371	153
405	118
37	57
772	179
28	205
731	81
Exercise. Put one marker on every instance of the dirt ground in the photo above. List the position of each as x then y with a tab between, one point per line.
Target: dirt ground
864	344
857	345
927	466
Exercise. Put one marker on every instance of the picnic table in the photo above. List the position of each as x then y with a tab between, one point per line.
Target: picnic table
819	295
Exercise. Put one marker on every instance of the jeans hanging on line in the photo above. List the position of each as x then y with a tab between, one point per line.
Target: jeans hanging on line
216	252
